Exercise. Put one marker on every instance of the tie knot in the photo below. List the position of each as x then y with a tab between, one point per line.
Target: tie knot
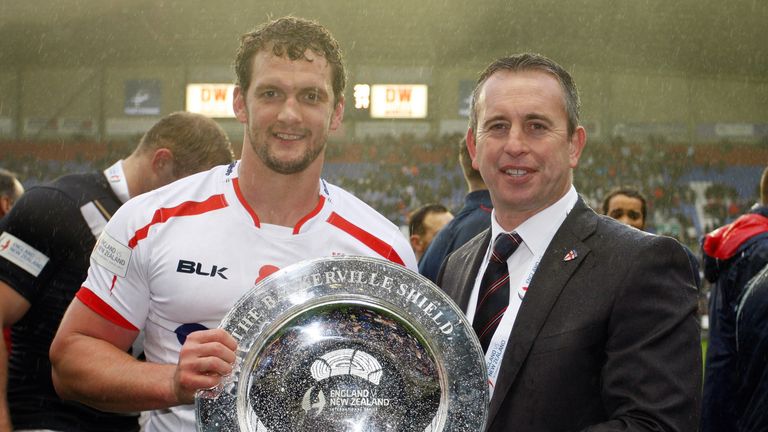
504	246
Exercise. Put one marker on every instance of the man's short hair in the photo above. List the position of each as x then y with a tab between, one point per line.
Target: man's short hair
764	187
416	218
8	180
196	141
632	193
528	62
291	37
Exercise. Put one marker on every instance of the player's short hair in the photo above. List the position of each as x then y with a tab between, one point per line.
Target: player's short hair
416	218
527	62
196	141
291	37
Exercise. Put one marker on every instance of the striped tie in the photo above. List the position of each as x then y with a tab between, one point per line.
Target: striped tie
493	298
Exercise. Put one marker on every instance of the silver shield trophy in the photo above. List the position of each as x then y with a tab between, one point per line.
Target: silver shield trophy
348	344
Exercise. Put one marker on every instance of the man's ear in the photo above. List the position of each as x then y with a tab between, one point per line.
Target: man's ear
162	162
416	244
338	114
472	147
238	105
5	205
576	146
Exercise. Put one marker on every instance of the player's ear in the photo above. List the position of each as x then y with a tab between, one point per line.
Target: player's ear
238	105
338	114
163	163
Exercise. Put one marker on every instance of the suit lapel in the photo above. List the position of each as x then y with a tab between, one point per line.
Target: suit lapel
557	266
469	273
464	264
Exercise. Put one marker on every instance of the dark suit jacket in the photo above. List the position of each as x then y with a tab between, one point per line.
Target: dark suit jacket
607	341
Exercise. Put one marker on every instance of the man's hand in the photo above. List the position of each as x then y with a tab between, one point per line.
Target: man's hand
206	357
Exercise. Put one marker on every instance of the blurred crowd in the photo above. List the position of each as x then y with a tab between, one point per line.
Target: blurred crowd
398	174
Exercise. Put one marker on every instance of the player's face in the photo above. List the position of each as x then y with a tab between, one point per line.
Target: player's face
627	210
288	110
522	147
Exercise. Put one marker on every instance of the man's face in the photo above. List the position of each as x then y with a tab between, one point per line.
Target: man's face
522	147
627	210
288	110
433	223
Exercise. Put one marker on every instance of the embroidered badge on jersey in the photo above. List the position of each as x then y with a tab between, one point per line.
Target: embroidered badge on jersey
22	254
112	255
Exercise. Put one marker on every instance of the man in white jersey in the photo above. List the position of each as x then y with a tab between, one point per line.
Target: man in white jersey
172	263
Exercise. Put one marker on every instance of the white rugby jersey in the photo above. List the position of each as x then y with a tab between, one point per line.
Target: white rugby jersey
177	259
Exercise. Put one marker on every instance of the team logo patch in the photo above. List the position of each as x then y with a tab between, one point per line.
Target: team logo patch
22	254
112	255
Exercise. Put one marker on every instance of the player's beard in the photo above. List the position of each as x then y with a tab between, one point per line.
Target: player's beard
315	146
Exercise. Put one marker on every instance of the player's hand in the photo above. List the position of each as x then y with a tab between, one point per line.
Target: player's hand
206	356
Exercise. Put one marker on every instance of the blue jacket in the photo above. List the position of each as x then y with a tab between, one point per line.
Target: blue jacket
732	254
470	221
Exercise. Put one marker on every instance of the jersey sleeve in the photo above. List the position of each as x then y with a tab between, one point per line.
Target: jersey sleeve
117	285
43	231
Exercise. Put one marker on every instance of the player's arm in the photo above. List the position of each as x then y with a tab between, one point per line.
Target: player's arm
91	364
12	307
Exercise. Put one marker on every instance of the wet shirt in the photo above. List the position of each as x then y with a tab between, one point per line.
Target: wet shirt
177	259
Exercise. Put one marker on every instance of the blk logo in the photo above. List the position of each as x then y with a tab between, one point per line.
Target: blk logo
197	268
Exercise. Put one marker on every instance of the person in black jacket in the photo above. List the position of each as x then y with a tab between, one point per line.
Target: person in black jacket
751	399
45	245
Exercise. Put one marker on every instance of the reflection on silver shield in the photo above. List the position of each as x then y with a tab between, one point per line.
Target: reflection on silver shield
348	344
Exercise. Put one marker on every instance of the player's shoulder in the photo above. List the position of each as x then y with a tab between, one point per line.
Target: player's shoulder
76	187
349	206
196	188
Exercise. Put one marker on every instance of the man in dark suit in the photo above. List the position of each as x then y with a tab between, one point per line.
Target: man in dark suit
594	327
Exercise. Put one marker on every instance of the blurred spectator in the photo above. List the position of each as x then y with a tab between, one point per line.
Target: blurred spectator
733	254
424	223
10	190
470	221
45	244
627	206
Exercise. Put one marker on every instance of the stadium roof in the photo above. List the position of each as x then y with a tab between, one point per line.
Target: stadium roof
692	37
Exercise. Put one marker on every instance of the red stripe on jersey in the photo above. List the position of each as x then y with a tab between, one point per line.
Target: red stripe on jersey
310	215
189	208
99	306
239	193
378	245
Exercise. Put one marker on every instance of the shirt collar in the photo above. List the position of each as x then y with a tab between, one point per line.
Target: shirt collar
538	230
116	179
